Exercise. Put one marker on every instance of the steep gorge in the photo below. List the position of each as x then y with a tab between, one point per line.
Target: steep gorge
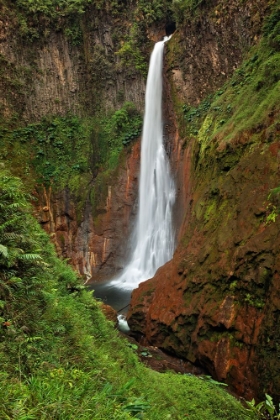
217	302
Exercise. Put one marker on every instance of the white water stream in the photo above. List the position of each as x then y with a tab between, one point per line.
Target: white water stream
153	239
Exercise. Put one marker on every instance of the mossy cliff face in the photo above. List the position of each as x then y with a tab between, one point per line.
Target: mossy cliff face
93	240
56	65
64	64
217	303
210	44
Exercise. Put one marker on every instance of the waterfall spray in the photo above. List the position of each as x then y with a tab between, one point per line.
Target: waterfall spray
154	234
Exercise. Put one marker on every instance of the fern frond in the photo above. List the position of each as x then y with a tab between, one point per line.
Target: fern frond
30	257
12	236
274	191
15	281
11	222
4	251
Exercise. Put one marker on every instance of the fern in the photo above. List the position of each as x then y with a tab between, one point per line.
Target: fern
30	257
4	251
9	223
12	236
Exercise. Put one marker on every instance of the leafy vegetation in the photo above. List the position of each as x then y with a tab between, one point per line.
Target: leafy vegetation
120	128
53	8
132	57
265	409
59	357
63	149
154	10
52	150
184	9
150	10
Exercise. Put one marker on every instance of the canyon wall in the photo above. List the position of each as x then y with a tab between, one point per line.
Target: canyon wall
52	74
97	244
47	72
216	303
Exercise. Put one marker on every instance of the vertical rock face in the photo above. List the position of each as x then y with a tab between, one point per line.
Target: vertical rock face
53	76
97	244
217	302
211	45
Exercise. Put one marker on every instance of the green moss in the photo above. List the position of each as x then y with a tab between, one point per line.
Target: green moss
261	87
210	211
148	293
56	149
233	285
243	108
199	210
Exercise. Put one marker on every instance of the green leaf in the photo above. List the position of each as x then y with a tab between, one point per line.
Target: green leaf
133	346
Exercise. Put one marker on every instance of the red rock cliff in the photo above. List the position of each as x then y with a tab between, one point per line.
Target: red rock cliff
217	302
99	242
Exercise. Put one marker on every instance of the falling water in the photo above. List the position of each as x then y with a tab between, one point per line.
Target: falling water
154	234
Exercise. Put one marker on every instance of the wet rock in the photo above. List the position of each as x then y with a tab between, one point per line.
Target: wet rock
110	313
217	302
95	246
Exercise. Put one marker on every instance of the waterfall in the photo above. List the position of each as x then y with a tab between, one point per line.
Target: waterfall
153	239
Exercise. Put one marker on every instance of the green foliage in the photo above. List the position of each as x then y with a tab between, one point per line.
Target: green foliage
57	148
271	29
185	9
34	19
18	251
60	358
193	115
114	131
70	152
53	8
273	207
74	33
153	10
61	150
131	56
265	409
254	301
273	213
111	134
122	126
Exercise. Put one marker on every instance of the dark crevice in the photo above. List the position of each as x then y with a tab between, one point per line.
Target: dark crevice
170	28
